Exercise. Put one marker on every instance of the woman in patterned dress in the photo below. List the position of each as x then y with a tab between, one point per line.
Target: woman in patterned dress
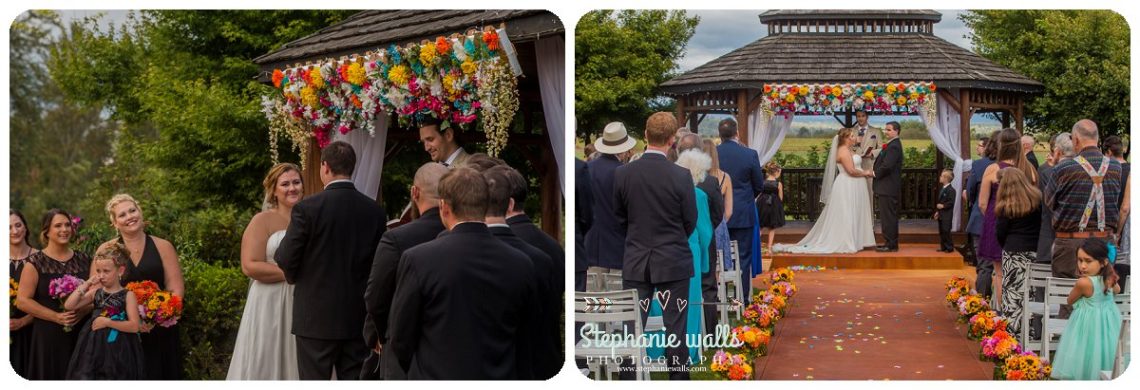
1018	212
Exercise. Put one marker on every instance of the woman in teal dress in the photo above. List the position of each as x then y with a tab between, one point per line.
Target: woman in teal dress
698	163
1088	345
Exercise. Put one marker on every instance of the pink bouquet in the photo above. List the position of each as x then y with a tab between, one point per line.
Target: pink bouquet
62	287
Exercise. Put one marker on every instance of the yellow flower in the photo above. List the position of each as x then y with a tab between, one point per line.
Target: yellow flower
836	91
355	73
803	90
449	83
399	75
317	81
427	53
309	97
891	89
901	101
468	67
868	95
791	98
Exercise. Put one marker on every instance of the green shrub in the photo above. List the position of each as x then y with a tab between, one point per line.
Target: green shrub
215	298
212	234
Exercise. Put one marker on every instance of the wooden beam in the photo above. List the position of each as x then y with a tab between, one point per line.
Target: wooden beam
312	172
680	110
1004	116
742	115
950	99
1019	115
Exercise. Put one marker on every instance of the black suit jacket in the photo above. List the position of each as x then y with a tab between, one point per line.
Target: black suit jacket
547	353
529	232
946	198
888	170
716	201
382	279
655	201
605	242
326	253
1032	157
464	307
583	214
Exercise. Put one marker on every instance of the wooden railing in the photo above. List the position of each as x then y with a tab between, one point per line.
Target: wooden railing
802	186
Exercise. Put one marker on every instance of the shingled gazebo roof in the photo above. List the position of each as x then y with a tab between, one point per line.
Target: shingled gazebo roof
900	47
370	30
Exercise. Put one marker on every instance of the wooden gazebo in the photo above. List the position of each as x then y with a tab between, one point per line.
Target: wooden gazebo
843	47
377	29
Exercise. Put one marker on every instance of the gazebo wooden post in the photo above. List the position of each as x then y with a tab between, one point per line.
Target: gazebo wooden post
312	172
679	112
1019	116
742	115
964	113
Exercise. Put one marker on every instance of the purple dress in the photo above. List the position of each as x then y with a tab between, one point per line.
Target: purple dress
989	249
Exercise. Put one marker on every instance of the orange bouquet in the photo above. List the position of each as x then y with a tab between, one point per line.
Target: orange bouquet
156	307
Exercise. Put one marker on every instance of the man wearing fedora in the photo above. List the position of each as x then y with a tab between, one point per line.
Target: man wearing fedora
605	241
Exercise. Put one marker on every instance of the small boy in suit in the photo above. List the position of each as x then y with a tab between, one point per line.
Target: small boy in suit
945	211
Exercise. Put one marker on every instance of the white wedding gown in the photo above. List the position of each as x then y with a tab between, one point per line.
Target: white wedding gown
845	224
265	348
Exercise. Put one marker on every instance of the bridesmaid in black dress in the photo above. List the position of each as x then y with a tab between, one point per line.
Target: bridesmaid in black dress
19	323
51	346
153	259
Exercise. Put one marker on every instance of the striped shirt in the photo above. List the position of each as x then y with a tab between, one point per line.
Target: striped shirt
1072	187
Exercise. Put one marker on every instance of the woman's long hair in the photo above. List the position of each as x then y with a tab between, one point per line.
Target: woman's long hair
1009	148
1016	196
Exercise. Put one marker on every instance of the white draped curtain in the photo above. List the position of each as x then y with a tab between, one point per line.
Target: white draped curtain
551	54
766	134
945	127
369	155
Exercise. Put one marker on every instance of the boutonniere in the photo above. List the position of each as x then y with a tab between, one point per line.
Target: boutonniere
884	146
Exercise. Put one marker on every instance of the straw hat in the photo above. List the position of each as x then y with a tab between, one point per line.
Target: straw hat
615	139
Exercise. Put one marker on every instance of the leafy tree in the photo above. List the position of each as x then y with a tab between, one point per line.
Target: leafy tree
621	58
1082	57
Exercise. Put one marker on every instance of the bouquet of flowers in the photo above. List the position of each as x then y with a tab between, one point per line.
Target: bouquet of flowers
1024	367
62	287
782	275
999	347
775	301
985	323
956	288
755	340
13	287
783	288
971	304
760	315
156	307
731	366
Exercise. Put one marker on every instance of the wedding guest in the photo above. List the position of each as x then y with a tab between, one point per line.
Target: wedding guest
715	204
1027	142
465	305
590	152
108	348
583	220
771	201
532	234
945	211
1009	155
698	165
984	267
482	162
1018	226
1075	184
605	242
720	233
654	200
265	349
743	165
1114	149
326	253
382	279
1061	147
547	352
441	143
19	322
1088	343
154	259
52	339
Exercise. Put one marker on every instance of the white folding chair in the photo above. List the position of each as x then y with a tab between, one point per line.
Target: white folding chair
1056	293
592	282
611	281
623	309
1031	306
725	277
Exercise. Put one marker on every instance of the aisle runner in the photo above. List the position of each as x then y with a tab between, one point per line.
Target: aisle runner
872	324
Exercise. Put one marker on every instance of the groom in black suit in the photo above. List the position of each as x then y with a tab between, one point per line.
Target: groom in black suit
382	280
888	187
326	253
466	304
655	202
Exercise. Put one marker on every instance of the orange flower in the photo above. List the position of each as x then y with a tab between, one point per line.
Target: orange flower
442	45
356	101
278	75
932	87
492	39
767	88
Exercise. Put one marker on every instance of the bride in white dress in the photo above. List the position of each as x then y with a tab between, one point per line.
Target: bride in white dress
845	225
265	348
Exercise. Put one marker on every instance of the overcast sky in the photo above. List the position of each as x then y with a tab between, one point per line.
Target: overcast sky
720	32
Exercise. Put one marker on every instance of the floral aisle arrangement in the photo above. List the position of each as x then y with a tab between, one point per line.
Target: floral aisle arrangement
456	80
1011	362
758	324
755	340
731	366
62	287
832	98
156	307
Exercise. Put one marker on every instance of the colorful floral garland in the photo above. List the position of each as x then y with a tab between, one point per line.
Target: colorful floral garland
831	98
455	80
